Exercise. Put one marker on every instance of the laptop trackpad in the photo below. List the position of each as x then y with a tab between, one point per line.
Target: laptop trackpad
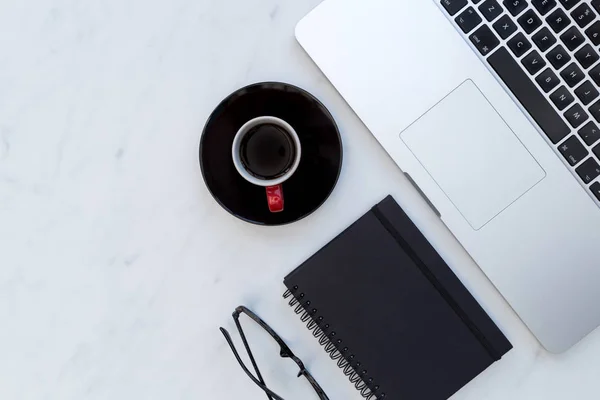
472	154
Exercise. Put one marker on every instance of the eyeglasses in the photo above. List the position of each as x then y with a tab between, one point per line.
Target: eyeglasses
285	352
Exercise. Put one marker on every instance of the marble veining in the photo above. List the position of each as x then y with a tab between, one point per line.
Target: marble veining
116	265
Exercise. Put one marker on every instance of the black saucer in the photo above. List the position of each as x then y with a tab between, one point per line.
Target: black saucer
319	167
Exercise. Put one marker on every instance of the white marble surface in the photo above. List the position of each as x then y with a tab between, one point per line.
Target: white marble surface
117	267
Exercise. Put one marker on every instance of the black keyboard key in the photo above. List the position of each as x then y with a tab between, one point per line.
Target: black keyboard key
588	171
572	38
587	56
596	151
529	21
573	150
562	98
569	3
468	20
558	57
595	111
515	7
593	32
533	62
519	44
547	80
596	5
576	116
490	9
590	133
544	39
572	74
544	6
505	26
587	92
583	15
558	20
454	6
595	188
485	40
528	95
595	74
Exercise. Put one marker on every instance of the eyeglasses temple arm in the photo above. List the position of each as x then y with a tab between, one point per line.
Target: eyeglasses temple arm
260	384
247	346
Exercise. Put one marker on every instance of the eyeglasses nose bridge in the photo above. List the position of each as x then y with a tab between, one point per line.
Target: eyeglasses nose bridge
284	353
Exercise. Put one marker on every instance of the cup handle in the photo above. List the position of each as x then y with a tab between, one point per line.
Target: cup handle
275	198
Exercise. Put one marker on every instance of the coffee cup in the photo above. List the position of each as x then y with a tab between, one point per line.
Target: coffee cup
266	152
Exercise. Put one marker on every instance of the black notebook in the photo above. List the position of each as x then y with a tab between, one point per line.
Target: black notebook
391	312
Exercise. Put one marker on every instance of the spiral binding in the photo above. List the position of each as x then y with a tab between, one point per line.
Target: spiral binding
349	365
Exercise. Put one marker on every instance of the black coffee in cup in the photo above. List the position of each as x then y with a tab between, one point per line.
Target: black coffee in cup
267	151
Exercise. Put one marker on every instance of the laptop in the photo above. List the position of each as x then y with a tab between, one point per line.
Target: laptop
492	109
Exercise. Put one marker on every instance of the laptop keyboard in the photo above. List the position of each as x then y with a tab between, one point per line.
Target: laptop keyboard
547	54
